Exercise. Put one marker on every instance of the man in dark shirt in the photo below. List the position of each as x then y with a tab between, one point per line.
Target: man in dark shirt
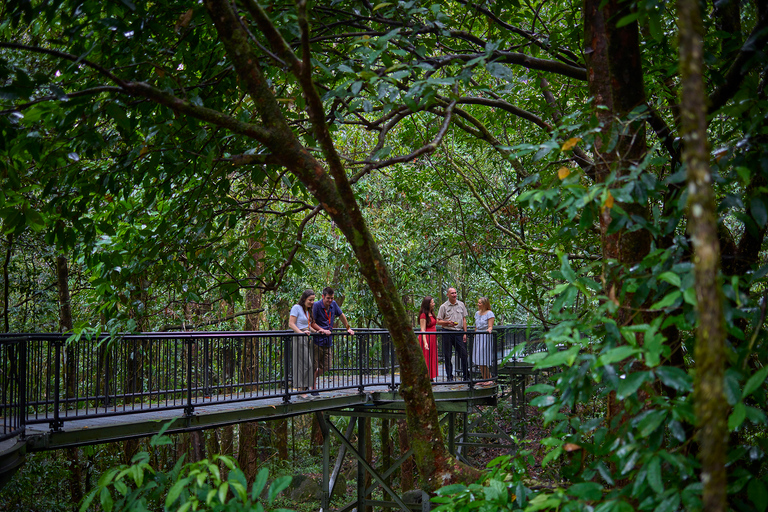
324	314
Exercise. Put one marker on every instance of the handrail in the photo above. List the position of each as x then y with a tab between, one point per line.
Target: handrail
47	379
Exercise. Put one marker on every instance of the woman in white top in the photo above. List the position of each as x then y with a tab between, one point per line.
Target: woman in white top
482	351
299	321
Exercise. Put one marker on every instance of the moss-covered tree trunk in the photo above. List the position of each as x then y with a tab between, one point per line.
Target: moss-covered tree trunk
333	190
709	353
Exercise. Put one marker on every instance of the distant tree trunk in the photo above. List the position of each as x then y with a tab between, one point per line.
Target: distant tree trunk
135	357
710	404
280	438
197	442
226	446
248	450
315	437
66	325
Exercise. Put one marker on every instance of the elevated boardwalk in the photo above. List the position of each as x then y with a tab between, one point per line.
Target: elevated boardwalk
58	393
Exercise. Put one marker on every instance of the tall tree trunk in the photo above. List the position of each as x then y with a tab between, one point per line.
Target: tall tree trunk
248	450
334	192
226	446
710	403
279	430
66	325
615	80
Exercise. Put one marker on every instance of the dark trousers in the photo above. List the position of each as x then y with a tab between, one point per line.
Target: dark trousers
451	340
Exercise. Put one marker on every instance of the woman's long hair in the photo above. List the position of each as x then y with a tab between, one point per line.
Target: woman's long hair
303	302
425	308
486	303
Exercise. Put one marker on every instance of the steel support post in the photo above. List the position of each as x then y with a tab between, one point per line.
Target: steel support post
325	496
452	433
360	468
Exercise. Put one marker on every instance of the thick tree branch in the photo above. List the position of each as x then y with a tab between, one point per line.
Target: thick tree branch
85	92
208	115
215	321
66	56
423	150
521	59
274	37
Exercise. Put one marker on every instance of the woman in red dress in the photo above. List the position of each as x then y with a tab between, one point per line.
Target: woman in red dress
428	323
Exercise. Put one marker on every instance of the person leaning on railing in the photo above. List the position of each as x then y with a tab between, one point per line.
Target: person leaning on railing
324	314
483	343
300	322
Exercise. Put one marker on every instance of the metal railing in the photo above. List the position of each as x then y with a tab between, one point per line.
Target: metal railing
13	373
46	379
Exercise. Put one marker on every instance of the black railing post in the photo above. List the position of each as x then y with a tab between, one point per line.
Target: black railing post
23	387
392	384
494	352
287	340
189	409
56	424
359	339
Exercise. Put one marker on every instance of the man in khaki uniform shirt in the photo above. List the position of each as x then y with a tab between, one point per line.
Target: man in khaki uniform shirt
453	317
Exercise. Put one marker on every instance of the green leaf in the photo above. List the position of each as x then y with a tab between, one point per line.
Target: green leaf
223	490
559	358
587	491
619	353
737	417
277	487
106	499
175	492
671	278
756	415
258	484
675	378
540	388
758	494
755	381
452	489
758	210
668	300
629	385
654	475
626	20
651	422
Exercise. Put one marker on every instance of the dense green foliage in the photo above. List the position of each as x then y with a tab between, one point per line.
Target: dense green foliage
474	146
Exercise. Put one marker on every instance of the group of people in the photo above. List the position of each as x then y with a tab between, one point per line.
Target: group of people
313	321
312	346
452	317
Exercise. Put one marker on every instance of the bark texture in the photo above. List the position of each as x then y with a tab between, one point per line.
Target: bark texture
333	190
710	403
615	81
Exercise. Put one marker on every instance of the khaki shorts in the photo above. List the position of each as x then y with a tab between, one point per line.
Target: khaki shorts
323	358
